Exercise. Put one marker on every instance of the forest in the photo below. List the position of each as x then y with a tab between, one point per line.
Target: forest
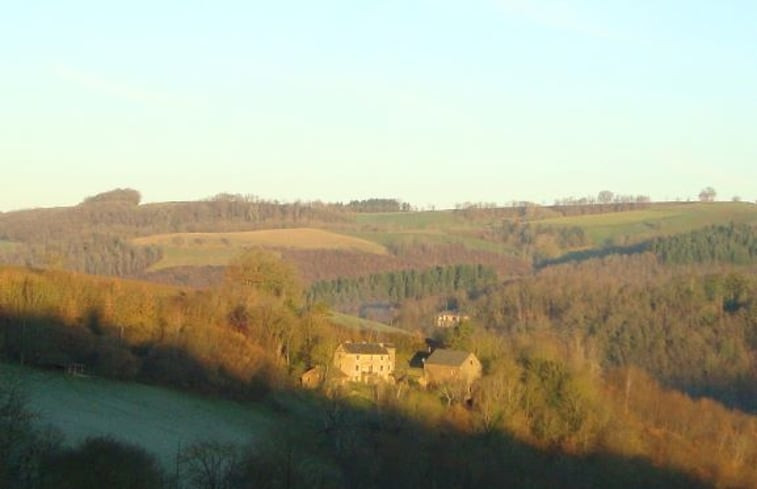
733	243
406	284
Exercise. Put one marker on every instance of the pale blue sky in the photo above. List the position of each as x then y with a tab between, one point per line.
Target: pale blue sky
433	102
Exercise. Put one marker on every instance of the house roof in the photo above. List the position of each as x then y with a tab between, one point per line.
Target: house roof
317	370
450	358
365	348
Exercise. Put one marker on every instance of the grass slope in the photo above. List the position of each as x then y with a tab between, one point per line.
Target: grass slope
355	322
7	245
216	249
438	237
446	227
161	420
657	220
410	220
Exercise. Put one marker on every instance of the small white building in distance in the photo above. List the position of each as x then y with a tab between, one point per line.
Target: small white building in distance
450	319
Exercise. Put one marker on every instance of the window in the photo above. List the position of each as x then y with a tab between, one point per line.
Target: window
357	368
382	368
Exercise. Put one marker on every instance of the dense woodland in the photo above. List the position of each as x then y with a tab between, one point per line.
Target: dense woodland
403	285
695	329
733	243
536	242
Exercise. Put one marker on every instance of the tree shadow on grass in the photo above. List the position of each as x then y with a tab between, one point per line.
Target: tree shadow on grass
583	255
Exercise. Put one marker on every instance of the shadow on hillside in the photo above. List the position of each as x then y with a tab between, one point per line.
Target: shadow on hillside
583	255
385	449
45	342
361	445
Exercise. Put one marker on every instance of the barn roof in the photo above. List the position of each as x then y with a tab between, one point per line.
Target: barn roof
450	358
365	348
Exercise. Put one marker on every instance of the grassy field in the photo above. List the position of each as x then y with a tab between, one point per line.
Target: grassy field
158	419
355	322
198	249
443	227
410	220
635	226
431	237
7	245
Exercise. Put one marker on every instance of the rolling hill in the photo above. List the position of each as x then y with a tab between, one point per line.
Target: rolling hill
208	249
186	243
630	227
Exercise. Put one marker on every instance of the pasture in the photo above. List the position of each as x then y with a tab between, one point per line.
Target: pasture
436	237
216	249
7	245
409	220
158	419
354	322
658	220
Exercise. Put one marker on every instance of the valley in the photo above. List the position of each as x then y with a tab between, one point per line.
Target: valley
615	341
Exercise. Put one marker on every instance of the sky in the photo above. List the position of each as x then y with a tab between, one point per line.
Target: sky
433	102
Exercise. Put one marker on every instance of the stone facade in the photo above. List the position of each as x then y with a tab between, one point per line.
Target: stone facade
451	366
366	362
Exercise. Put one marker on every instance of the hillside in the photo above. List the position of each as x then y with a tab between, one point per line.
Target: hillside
160	420
361	324
216	249
549	404
182	242
657	220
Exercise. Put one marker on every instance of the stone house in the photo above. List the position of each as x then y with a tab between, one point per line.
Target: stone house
450	366
312	378
365	362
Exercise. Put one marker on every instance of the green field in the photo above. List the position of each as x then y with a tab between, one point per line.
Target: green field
355	322
444	227
414	237
7	245
216	249
657	220
159	419
409	220
628	227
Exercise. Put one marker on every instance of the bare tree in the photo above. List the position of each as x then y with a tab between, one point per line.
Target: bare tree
605	197
209	464
707	194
